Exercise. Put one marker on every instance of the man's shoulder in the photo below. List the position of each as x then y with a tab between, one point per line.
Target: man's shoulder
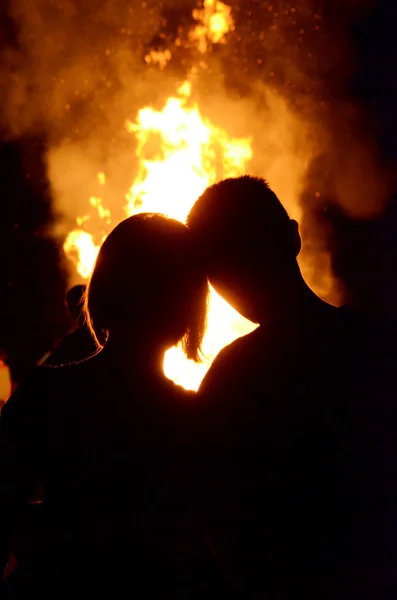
369	328
231	363
240	349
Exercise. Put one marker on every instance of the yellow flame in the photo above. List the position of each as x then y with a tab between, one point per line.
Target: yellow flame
214	21
224	326
190	147
185	89
104	213
81	220
158	57
80	248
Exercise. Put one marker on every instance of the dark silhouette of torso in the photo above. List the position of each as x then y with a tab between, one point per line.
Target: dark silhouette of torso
112	452
300	424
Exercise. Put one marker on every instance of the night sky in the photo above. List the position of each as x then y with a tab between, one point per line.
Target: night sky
33	276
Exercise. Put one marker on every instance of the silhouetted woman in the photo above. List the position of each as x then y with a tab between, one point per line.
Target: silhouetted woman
109	439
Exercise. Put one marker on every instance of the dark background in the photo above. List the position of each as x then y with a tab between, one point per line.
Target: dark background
33	274
367	255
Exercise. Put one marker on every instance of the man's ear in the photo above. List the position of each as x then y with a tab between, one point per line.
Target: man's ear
296	238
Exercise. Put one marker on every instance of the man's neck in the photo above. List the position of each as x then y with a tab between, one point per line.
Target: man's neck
294	302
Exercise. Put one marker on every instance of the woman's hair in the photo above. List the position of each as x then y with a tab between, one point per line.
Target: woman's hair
147	276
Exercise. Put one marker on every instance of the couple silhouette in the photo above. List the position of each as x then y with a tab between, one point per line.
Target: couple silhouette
275	481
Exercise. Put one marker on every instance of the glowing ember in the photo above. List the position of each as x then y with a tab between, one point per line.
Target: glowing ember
158	58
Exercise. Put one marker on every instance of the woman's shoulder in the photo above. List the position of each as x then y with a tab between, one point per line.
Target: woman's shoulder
30	401
27	405
42	378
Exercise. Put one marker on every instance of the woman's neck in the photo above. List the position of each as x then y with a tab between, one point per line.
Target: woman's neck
133	353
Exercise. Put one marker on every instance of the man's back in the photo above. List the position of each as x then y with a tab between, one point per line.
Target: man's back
301	428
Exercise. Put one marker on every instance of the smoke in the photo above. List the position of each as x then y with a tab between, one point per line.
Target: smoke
74	71
65	62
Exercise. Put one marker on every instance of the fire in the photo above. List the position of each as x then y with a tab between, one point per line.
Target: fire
224	326
80	248
179	152
103	212
157	57
214	21
186	164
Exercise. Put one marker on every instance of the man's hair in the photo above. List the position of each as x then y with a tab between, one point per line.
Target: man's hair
238	212
146	274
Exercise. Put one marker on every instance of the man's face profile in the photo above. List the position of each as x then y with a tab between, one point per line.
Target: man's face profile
248	270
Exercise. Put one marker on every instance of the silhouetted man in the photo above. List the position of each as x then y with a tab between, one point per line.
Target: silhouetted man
299	417
78	344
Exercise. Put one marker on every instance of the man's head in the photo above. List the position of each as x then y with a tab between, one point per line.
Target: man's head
247	240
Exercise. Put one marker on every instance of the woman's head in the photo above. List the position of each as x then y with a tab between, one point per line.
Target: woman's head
147	282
